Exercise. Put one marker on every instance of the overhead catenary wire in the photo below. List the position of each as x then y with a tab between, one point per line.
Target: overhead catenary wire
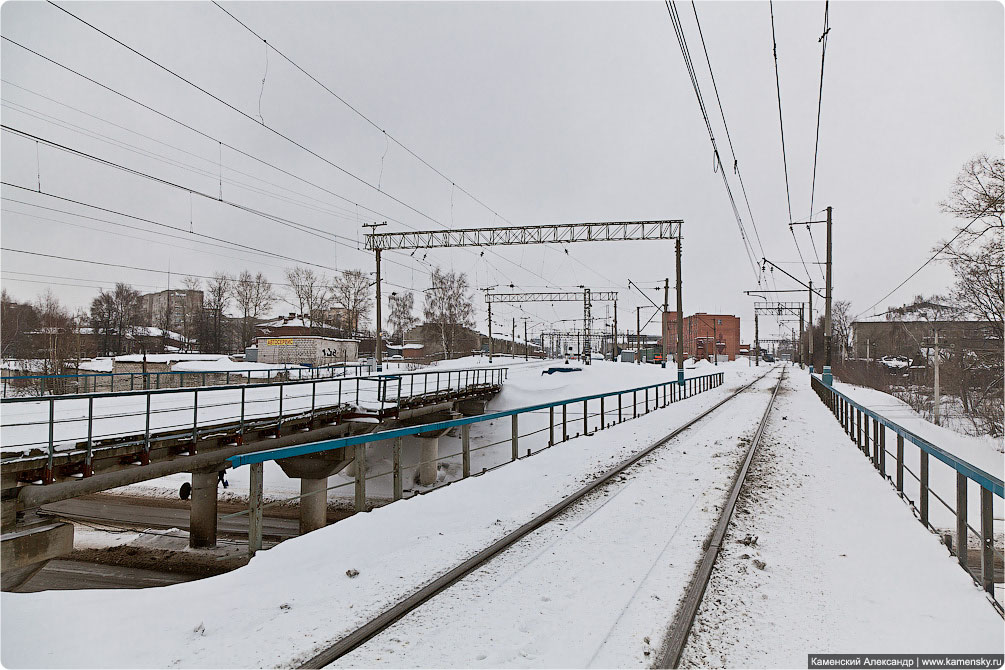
816	144
388	136
685	53
271	129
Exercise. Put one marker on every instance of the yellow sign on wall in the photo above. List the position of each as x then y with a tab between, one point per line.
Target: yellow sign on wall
276	342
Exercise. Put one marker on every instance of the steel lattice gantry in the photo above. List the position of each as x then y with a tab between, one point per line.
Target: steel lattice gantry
511	235
788	311
586	297
562	233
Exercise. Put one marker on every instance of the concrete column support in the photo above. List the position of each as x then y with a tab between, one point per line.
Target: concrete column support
256	482
202	515
313	504
429	448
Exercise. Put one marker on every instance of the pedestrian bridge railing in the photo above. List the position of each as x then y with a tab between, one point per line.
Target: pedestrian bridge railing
81	422
962	539
16	386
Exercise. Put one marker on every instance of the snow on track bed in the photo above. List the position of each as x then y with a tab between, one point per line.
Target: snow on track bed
596	586
848	568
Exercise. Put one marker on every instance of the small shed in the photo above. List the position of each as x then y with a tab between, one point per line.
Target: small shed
307	350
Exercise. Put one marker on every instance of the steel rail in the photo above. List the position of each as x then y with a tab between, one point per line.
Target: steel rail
386	618
673	646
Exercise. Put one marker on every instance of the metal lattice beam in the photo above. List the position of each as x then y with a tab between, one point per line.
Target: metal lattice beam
510	235
601	296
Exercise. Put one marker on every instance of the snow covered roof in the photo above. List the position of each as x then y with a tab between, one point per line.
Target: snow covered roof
294	322
405	346
169	358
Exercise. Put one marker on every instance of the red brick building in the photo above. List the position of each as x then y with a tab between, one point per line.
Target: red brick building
704	334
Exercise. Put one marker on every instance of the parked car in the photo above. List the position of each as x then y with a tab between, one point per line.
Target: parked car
895	362
768	358
396	357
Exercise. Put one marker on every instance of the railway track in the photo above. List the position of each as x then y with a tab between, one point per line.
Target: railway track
615	474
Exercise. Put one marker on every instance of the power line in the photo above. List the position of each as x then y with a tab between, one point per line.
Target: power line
816	146
387	135
736	163
778	88
685	53
931	258
289	139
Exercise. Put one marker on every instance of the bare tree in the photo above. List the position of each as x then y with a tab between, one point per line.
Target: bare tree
114	315
57	326
351	292
977	194
191	319
449	307
400	316
16	319
254	297
216	301
311	294
841	323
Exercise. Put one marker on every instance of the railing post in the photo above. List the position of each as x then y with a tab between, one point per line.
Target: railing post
900	463
923	491
602	416
551	426
240	428
865	437
195	417
279	426
314	396
882	449
565	425
465	450
146	434
586	417
619	409
515	439
360	477
961	520
858	425
635	404
396	467
987	542
647	401
52	427
88	467
256	477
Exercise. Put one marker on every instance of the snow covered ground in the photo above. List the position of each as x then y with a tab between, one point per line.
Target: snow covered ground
985	453
847	567
294	598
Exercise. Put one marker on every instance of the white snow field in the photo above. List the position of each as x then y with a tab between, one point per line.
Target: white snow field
848	568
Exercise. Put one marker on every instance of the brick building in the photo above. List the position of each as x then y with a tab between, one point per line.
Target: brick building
704	335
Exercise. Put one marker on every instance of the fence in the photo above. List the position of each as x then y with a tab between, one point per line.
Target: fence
855	419
613	406
77	423
109	382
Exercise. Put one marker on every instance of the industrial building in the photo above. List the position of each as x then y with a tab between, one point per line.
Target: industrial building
705	335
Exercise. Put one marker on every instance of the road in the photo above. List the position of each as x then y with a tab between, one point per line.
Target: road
66	574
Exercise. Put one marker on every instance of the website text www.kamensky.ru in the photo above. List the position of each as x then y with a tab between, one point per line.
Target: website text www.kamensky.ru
905	660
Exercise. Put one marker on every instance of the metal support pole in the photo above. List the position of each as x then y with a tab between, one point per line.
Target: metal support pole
377	339
490	332
465	450
809	329
666	308
586	417
961	519
923	489
396	467
360	478
551	426
680	321
515	439
526	344
602	417
565	425
900	463
987	542
757	343
255	496
828	378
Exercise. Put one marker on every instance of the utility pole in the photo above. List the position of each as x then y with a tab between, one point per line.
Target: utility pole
715	342
809	331
938	400
378	344
801	349
614	352
828	377
586	326
512	344
757	343
666	308
638	336
526	345
680	323
490	322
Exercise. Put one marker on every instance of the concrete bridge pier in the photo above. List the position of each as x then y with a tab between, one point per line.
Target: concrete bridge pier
429	448
202	514
313	471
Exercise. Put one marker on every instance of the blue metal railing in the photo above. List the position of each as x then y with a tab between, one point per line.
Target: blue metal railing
855	419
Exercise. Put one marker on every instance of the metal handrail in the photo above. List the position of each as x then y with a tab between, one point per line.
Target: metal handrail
985	479
691	383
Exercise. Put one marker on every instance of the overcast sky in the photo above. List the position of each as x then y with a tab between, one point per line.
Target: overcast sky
546	112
